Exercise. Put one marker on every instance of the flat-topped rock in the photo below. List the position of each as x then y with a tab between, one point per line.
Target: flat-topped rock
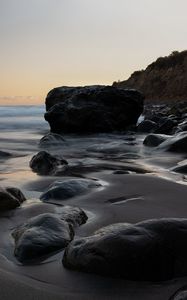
92	109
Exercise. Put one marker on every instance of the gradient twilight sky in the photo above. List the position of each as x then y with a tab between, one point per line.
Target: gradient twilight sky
49	43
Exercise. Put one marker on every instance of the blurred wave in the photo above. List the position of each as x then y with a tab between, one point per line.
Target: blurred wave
24	117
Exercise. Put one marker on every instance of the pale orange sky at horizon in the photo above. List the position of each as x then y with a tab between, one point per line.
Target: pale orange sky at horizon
50	43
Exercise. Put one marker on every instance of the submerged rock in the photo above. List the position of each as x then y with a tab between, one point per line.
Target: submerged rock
152	250
147	126
154	140
51	140
43	163
177	143
92	109
41	236
68	188
10	198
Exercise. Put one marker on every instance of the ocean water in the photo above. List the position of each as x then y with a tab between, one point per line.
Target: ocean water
21	118
21	124
21	128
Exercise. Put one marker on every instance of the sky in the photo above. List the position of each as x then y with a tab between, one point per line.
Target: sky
50	43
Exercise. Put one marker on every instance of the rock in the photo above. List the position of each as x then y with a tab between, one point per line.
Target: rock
41	236
44	163
147	126
181	127
73	215
15	192
154	140
181	294
180	169
4	154
51	140
10	198
152	250
68	188
166	126
177	143
122	172
92	109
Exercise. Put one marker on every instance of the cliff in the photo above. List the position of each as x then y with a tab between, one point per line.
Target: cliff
165	79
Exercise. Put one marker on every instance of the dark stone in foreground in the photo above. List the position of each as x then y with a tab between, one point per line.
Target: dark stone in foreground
92	109
68	188
10	198
153	250
154	140
40	236
46	233
44	163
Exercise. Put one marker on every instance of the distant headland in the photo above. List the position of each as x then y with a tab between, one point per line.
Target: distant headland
165	79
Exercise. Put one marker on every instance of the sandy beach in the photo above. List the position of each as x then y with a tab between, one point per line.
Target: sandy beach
149	190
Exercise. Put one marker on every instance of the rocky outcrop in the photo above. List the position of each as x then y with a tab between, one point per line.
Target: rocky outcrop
165	79
43	163
92	109
152	250
10	198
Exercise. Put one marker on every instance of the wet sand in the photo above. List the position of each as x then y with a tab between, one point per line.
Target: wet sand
150	190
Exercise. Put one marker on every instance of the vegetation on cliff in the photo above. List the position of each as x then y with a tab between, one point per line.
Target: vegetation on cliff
165	79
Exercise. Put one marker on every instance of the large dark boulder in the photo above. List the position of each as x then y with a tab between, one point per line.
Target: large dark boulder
152	250
10	198
92	109
43	163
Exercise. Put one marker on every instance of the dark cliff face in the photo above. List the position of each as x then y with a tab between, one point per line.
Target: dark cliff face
165	79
